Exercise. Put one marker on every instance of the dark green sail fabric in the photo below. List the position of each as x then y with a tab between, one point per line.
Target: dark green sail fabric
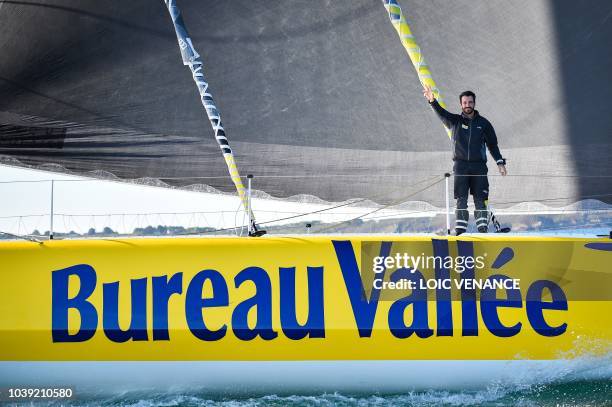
317	97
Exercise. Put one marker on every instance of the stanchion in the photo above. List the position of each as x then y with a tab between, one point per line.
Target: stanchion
448	229
51	226
249	179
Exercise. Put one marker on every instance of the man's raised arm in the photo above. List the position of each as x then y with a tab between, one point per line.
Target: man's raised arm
447	117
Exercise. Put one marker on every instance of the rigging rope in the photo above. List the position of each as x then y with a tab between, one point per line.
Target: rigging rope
192	59
441	178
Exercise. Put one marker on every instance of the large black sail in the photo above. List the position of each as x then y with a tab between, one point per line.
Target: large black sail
319	96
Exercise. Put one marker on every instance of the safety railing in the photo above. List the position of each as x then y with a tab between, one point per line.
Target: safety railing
85	208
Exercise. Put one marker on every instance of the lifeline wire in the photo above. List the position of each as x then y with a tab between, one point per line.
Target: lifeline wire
383	207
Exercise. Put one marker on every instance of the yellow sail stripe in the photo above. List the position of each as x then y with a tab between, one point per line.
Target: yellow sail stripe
412	48
235	175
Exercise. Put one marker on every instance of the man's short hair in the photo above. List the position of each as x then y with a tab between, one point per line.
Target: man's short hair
467	93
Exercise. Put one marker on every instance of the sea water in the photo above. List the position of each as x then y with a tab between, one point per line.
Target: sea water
597	392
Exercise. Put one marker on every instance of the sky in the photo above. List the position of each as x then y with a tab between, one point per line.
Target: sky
81	203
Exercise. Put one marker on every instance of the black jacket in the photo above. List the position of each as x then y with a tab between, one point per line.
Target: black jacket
469	135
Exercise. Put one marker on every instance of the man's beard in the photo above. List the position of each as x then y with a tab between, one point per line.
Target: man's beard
468	110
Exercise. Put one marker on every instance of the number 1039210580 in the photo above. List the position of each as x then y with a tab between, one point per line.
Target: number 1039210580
12	393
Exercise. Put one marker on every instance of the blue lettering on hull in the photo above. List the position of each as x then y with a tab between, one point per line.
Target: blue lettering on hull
165	289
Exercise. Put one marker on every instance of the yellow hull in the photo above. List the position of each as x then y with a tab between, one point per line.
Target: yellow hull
305	299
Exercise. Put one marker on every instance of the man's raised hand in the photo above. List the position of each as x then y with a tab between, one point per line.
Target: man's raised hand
428	93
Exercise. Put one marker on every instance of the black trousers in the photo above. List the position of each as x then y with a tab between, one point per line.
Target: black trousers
471	178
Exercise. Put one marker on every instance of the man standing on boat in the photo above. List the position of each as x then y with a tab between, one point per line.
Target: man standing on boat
470	133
